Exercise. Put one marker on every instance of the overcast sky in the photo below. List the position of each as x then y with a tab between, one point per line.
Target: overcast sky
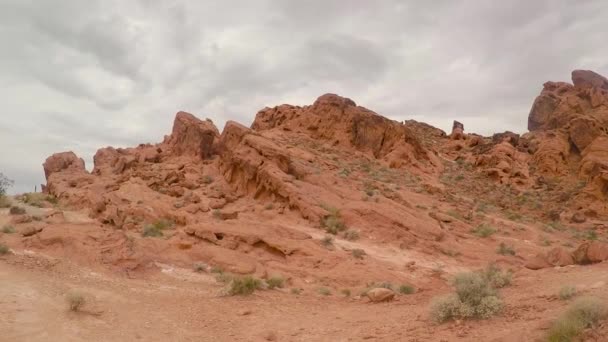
78	75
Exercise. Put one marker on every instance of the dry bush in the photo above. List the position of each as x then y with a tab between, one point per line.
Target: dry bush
584	313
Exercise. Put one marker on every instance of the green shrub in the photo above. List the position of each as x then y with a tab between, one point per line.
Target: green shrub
505	249
244	286
476	296
406	289
8	229
4	249
275	282
483	230
358	253
75	300
585	312
567	292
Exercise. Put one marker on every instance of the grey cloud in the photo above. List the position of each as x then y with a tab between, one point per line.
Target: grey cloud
84	74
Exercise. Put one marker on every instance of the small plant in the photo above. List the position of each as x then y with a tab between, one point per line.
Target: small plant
484	230
207	179
584	313
4	249
275	282
216	269
496	276
333	223
75	300
295	291
358	253
156	229
505	249
567	292
244	286
328	241
224	277
8	229
4	202
454	214
269	206
351	235
345	292
324	291
590	235
217	214
16	210
200	267
406	289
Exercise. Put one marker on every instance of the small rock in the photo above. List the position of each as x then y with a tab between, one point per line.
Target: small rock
245	312
270	336
29	231
379	295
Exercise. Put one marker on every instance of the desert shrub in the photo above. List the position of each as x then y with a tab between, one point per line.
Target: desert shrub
269	206
333	223
584	313
567	292
275	282
358	253
476	296
244	286
406	289
496	276
200	267
4	202
216	269
223	277
4	249
156	229
295	291
483	230
16	210
327	241
351	235
8	229
207	179
75	300
505	249
324	291
345	292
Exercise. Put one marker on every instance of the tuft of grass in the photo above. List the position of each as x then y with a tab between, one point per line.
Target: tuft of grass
585	312
223	277
8	229
295	291
406	289
156	229
275	282
567	292
496	276
4	249
324	291
345	292
207	179
269	206
358	253
14	210
332	223
244	286
483	230
505	249
75	300
351	235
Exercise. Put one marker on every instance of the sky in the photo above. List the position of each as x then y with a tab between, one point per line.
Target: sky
79	75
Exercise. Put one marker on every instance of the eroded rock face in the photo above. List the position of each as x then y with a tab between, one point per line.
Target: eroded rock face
192	136
341	122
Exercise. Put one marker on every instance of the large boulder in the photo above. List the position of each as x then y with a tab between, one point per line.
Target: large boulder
380	294
64	161
192	136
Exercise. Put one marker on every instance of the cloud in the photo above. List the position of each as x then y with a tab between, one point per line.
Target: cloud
80	75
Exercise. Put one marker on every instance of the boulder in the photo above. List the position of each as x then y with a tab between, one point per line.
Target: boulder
457	131
61	162
192	136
